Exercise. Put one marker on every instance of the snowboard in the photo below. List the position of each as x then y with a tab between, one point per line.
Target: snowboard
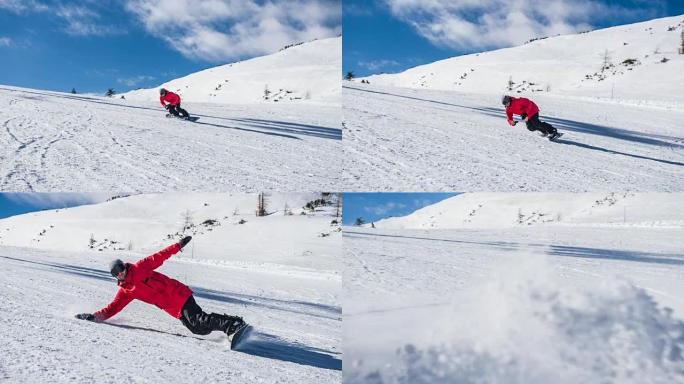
240	334
190	118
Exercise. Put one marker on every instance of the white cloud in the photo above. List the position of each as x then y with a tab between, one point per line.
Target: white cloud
135	80
5	41
21	6
383	209
478	24
218	30
82	21
374	65
56	200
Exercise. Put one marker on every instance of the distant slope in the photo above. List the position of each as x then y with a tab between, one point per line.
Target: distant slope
501	210
144	223
568	65
308	72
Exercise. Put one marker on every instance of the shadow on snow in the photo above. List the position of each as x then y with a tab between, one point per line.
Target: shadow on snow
273	347
570	125
558	250
269	125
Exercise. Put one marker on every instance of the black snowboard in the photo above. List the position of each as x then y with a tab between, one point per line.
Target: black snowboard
241	334
190	118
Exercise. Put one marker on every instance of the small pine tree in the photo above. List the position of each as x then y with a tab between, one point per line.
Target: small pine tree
73	90
510	83
350	76
110	92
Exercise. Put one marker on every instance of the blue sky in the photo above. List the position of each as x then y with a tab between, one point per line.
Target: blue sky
375	206
92	45
12	204
394	35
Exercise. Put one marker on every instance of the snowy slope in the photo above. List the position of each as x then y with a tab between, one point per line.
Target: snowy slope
281	273
506	210
309	72
424	140
569	65
53	141
518	304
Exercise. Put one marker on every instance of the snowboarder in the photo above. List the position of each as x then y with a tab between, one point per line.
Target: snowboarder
141	281
529	112
174	103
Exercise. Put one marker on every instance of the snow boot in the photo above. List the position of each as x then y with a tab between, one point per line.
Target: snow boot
235	324
554	136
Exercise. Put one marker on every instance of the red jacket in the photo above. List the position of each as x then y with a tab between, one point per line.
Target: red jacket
144	284
520	105
169	97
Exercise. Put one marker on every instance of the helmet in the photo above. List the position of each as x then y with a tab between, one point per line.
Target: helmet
506	100
163	91
117	266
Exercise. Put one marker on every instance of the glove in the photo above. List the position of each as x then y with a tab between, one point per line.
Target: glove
512	123
86	316
184	241
166	106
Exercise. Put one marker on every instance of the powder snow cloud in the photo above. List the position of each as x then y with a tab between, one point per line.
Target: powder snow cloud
219	30
482	24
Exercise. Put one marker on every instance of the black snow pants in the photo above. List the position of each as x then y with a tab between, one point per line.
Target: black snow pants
176	110
534	124
201	323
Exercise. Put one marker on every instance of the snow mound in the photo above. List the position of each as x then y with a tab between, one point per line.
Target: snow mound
521	329
502	210
635	63
308	72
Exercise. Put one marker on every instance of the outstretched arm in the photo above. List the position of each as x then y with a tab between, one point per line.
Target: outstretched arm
154	261
120	301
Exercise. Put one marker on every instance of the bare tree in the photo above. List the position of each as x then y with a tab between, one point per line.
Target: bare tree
338	205
605	61
681	49
186	219
262	202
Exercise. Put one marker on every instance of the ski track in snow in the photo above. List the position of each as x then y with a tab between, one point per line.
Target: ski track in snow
406	139
514	305
62	142
296	333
